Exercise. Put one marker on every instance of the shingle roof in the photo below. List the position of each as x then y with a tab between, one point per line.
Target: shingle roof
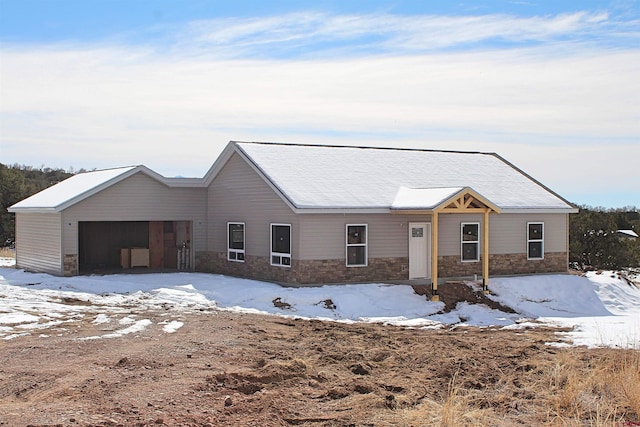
56	196
330	177
336	177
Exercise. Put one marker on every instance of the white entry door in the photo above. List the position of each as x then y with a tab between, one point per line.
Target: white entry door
419	250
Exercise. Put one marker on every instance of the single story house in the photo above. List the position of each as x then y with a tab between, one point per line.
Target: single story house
303	214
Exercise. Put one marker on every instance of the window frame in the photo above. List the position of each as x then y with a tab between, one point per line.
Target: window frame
530	240
364	245
235	251
469	242
281	255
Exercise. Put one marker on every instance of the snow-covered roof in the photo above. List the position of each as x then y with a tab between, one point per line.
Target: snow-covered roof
422	198
316	177
56	196
83	185
337	177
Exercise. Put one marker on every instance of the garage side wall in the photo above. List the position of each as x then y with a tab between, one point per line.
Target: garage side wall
39	242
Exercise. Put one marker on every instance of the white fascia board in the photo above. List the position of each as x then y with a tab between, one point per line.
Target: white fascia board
540	210
264	177
79	197
184	182
32	210
342	211
219	163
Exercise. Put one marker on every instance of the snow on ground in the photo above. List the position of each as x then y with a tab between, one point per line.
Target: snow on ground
602	309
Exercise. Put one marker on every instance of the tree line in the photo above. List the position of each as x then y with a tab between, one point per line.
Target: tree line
595	241
593	238
17	182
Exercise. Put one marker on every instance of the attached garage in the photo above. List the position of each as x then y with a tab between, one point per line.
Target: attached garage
112	220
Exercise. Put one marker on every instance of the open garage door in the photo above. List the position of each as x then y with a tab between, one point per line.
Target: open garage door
113	246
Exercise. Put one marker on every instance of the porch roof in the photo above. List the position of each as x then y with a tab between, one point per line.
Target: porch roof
447	199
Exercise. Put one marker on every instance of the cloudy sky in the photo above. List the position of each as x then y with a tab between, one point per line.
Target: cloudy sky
554	87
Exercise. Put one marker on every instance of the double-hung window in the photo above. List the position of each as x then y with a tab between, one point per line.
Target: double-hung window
470	241
281	245
235	239
535	240
356	241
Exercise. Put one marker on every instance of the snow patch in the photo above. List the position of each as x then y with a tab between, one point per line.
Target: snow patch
172	326
599	309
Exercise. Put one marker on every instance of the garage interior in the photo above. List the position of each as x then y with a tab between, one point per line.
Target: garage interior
117	246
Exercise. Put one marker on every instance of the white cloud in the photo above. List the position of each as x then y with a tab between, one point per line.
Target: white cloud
379	32
538	106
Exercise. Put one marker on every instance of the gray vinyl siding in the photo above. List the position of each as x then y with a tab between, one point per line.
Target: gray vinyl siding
38	242
449	233
507	232
239	194
323	235
139	198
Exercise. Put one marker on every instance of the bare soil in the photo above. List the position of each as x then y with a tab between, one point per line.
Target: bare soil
230	369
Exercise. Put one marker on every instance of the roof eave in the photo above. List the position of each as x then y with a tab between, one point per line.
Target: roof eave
541	210
33	209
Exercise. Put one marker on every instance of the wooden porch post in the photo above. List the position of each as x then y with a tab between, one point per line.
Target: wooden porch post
485	252
434	257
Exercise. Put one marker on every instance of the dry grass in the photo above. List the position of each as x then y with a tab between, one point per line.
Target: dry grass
600	387
7	253
574	387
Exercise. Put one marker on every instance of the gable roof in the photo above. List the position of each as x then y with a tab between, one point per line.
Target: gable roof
82	185
319	177
315	178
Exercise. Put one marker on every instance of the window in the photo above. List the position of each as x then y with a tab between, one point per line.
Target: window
281	245
235	237
356	245
535	240
470	241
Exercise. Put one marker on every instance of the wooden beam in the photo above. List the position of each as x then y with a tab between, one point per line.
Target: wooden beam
434	257
465	210
459	202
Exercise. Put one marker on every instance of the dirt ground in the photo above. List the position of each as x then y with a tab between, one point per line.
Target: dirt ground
230	369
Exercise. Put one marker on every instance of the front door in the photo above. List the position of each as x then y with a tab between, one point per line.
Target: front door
419	250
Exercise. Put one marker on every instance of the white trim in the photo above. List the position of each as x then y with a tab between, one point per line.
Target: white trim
264	177
342	210
530	223
364	245
540	211
281	255
413	252
463	242
230	250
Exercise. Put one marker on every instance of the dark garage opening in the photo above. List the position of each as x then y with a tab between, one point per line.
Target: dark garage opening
108	246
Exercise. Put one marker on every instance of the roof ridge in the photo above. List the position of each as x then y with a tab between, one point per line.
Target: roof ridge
365	147
109	169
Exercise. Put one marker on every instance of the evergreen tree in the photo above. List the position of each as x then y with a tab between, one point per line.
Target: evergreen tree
595	243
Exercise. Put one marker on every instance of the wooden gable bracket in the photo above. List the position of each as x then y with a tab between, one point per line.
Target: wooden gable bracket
465	201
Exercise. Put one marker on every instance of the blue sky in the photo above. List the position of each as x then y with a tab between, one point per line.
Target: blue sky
551	86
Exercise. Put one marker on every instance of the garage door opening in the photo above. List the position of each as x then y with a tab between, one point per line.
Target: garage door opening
114	246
